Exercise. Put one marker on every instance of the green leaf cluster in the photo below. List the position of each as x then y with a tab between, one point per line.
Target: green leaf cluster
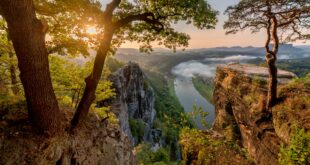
298	151
68	82
137	128
147	156
203	147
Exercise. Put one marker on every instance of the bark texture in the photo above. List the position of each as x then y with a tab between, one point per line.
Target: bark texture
28	36
272	87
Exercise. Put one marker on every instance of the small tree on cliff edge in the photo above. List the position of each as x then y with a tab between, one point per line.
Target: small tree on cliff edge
290	17
144	22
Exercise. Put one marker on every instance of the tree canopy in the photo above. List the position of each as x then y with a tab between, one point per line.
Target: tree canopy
141	21
292	17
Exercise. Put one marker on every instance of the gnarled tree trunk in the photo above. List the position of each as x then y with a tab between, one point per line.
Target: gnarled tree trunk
271	58
28	36
272	87
93	79
271	61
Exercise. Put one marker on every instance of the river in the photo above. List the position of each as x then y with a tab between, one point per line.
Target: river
187	93
188	96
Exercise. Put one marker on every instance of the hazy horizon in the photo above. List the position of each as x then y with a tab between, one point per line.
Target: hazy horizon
191	48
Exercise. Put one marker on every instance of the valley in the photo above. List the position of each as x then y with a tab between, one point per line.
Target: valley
193	71
154	82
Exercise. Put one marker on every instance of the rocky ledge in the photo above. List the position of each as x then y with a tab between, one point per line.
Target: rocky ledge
240	96
94	142
253	71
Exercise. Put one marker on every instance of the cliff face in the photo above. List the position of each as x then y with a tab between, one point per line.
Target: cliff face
134	104
240	96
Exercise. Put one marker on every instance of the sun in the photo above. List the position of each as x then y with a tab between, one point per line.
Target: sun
91	30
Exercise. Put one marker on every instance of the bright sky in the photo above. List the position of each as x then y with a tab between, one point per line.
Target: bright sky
215	37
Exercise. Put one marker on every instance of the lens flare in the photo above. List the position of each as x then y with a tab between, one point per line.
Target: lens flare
91	30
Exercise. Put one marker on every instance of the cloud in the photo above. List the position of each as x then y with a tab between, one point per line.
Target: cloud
191	68
232	58
284	57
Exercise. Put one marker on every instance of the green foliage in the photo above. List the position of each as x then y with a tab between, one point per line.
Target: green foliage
298	88
7	56
104	91
303	80
298	151
68	82
197	113
67	79
113	64
300	66
8	61
161	155
170	116
259	81
146	156
128	20
68	21
205	88
137	128
201	147
165	14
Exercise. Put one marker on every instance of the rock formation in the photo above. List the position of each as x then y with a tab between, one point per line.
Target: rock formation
135	102
239	96
244	132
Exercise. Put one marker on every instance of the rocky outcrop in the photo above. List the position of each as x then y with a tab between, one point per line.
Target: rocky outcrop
134	104
240	96
95	142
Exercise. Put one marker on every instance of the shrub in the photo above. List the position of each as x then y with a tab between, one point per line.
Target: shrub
259	81
137	128
298	151
146	156
161	155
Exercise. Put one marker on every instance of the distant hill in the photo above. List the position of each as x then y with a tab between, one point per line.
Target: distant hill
283	49
250	50
163	59
304	47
